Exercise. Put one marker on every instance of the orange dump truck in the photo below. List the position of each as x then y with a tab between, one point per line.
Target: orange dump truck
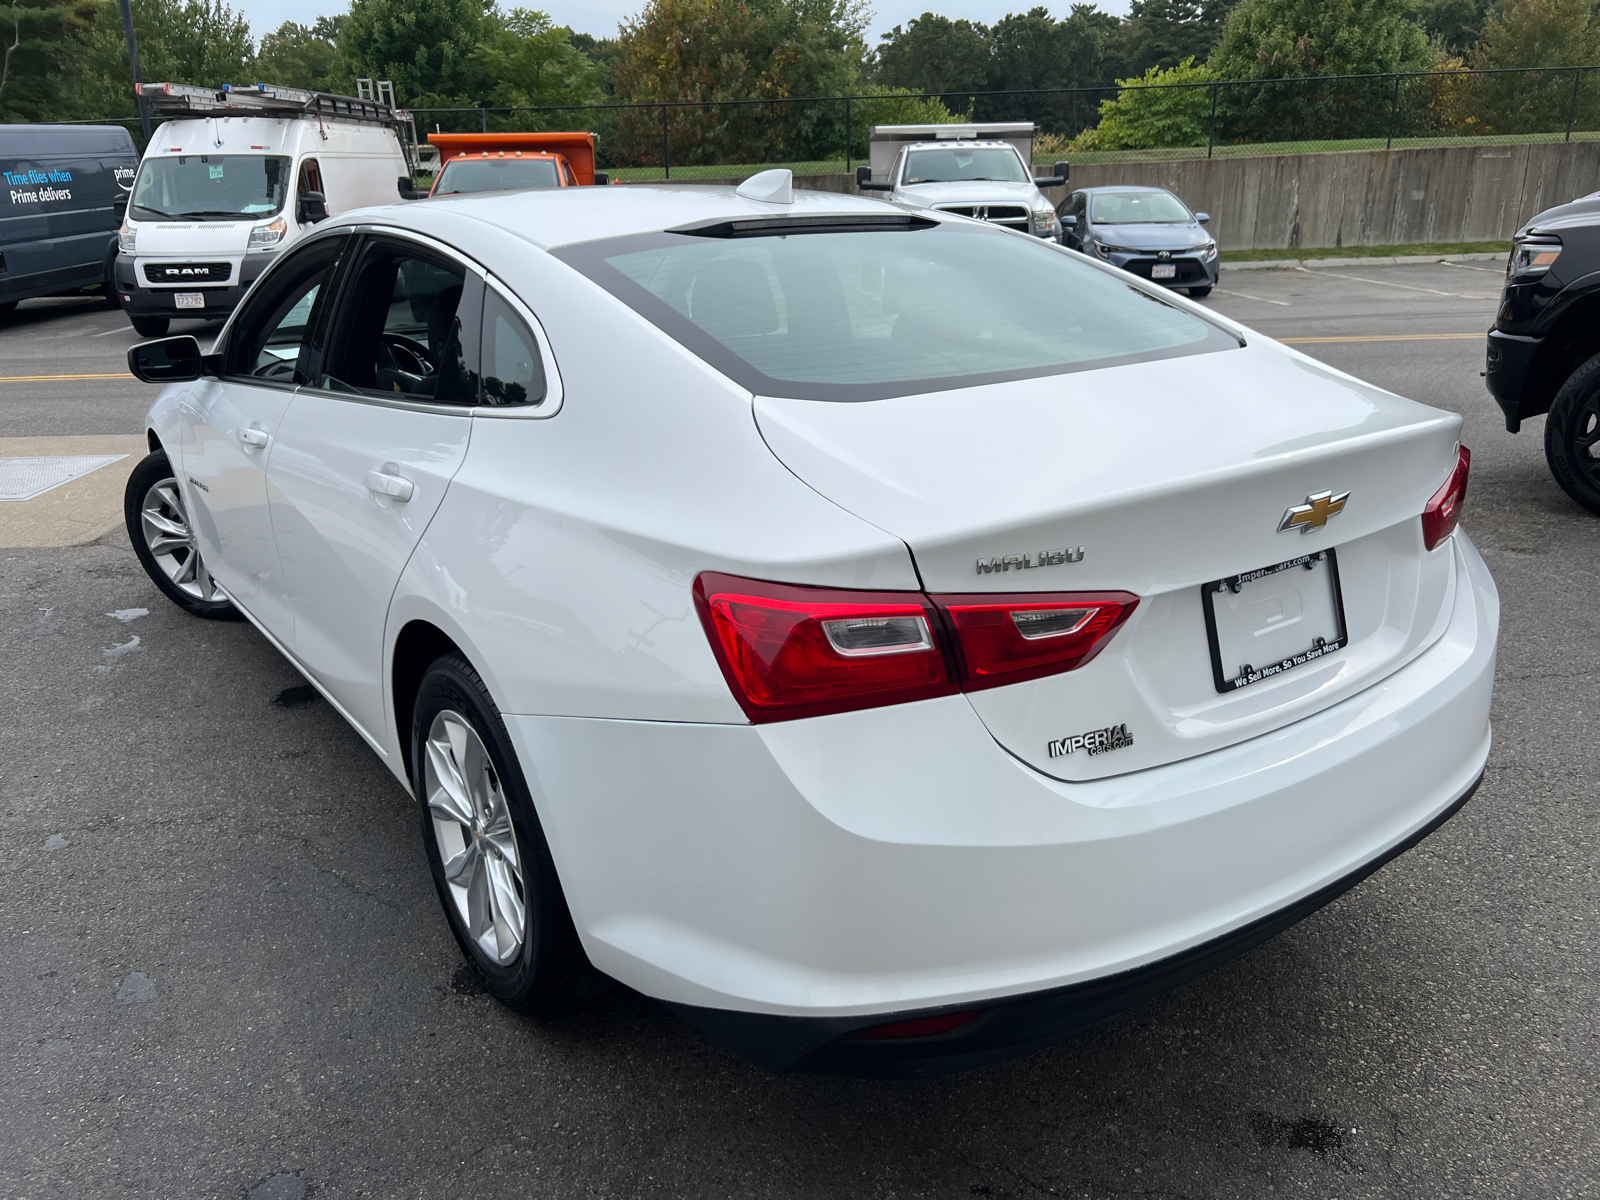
500	162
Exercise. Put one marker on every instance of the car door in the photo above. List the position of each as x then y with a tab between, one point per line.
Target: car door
232	423
366	452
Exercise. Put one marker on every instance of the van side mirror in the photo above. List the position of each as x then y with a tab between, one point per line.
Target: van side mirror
600	177
169	360
120	204
865	182
1049	181
1062	169
408	189
1203	218
313	207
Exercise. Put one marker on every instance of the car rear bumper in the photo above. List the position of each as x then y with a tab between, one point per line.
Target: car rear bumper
1507	360
788	885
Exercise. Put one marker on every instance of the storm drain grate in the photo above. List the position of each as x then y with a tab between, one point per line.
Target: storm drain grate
25	478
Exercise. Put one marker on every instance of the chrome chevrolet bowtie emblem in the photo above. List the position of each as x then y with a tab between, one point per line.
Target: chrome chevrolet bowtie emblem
1314	513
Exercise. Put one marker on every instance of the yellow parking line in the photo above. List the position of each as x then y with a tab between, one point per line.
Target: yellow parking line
1386	337
43	378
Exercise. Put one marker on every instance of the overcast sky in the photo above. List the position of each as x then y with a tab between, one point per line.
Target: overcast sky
601	17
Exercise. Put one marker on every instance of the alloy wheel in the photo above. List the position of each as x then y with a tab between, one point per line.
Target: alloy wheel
170	539
474	837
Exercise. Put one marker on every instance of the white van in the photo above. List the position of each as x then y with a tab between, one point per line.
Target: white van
235	175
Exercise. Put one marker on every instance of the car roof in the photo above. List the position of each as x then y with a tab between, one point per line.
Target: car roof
562	216
1127	187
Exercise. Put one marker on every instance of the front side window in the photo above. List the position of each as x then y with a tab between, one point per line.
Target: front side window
867	314
190	187
1138	208
965	163
462	175
398	331
271	340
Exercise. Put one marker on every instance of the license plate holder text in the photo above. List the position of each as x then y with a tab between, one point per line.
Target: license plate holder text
1262	623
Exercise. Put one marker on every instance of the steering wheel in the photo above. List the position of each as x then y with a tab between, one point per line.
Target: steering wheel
406	354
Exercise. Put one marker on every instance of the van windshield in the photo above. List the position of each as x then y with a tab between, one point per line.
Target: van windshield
964	163
210	187
864	315
495	175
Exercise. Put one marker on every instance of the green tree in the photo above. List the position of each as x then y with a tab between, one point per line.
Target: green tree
37	45
1536	33
296	55
426	47
933	54
604	53
1151	112
1293	40
183	41
528	61
1162	33
1454	25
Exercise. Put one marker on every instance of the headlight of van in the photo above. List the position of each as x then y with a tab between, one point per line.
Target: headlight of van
265	237
1044	222
125	239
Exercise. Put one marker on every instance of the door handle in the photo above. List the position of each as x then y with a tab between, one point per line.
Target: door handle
254	436
388	482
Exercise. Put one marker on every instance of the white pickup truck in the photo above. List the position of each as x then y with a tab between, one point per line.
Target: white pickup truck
982	171
235	175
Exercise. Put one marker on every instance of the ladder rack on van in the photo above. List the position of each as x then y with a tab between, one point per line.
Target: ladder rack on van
375	105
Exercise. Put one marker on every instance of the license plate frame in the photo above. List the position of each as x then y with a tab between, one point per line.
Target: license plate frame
189	299
1164	271
1320	645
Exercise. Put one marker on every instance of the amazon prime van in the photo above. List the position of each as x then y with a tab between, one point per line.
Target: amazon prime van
234	176
62	188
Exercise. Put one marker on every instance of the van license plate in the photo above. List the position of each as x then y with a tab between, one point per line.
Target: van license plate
1164	271
191	299
1265	622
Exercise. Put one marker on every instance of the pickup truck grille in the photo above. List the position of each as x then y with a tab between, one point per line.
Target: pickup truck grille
213	272
1014	215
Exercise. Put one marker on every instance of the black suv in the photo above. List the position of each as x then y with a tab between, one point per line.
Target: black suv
1544	349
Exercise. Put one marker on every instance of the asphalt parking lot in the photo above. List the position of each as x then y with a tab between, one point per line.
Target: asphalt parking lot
225	973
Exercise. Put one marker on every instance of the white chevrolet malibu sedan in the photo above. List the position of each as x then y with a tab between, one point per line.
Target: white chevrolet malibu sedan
890	641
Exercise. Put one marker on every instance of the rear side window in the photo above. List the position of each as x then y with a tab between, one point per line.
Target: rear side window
513	372
868	314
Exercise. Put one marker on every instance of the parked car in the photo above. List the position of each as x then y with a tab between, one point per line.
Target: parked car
979	171
890	642
1544	349
65	187
1146	231
233	177
503	162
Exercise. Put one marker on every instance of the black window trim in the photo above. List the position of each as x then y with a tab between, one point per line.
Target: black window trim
588	259
367	234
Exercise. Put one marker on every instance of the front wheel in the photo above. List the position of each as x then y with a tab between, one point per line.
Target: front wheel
150	327
1199	293
163	538
487	851
1572	435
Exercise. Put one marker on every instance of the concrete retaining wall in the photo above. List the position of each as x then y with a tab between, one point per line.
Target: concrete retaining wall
1353	198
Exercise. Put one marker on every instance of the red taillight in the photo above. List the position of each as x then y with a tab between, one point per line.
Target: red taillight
921	1027
1443	511
1007	639
791	651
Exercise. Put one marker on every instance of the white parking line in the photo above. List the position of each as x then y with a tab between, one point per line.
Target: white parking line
1408	287
1258	299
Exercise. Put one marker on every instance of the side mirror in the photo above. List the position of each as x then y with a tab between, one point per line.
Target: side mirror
120	204
1203	218
601	178
865	182
1069	222
404	185
170	360
1062	169
1048	181
313	207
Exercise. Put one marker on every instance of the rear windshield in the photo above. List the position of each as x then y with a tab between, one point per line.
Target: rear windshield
495	175
871	314
1137	208
959	163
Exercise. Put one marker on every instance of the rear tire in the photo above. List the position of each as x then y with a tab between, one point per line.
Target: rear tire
1200	293
150	327
9	307
491	864
163	538
1572	435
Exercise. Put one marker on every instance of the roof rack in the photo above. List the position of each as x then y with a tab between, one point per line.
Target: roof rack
373	106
